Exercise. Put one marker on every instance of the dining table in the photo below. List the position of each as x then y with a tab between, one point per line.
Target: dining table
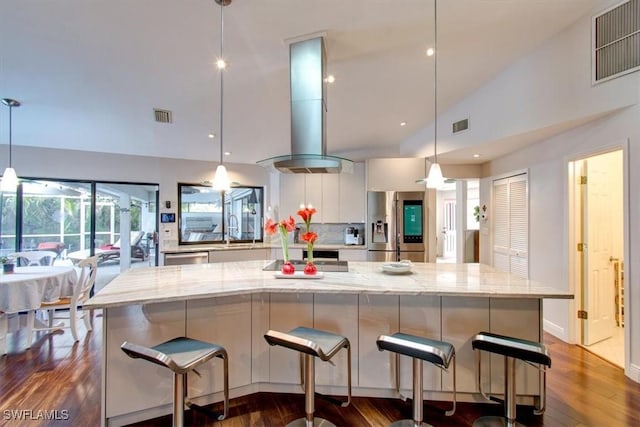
28	287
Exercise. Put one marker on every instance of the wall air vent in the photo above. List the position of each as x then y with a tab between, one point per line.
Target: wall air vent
460	125
163	116
616	41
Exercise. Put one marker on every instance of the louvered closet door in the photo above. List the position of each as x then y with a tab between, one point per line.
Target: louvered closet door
511	225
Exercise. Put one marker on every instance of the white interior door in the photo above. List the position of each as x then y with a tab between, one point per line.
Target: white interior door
449	229
602	219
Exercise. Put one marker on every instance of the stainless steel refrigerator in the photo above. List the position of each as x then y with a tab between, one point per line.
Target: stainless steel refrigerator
396	222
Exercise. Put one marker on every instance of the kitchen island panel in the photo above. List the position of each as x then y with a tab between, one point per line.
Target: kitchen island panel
338	314
226	322
379	314
503	314
420	315
132	385
260	309
461	319
288	311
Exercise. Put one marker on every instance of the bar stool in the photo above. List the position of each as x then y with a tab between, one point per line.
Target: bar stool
512	349
440	353
312	343
182	355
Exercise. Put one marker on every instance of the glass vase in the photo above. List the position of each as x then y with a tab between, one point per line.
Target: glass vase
288	268
310	268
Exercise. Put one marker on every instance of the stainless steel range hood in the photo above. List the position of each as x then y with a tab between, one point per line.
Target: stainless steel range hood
308	113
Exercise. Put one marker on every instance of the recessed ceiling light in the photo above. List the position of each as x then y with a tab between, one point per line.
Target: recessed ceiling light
330	78
475	156
221	64
430	51
227	153
403	123
212	135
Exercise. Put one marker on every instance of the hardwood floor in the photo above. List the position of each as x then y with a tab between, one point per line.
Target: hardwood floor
59	375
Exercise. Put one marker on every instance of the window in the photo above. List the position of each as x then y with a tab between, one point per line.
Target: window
210	216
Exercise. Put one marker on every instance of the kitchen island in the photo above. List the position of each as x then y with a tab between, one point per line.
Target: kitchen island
234	303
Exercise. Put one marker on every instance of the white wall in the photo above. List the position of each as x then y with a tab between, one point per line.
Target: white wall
548	195
552	86
72	164
549	87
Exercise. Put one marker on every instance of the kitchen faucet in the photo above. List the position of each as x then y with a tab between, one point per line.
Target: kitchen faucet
230	226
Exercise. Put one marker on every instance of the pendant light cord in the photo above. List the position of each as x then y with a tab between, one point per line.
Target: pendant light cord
435	80
221	80
10	136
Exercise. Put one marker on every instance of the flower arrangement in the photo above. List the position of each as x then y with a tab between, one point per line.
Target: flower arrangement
309	236
284	227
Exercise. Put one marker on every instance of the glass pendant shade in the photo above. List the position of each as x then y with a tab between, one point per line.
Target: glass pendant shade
435	178
221	179
9	180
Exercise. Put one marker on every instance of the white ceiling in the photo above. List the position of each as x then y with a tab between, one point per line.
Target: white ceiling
90	72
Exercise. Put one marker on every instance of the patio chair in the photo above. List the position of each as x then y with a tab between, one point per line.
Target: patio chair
81	291
112	251
34	258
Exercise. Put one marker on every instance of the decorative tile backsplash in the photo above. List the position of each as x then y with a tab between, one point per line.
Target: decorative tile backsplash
330	234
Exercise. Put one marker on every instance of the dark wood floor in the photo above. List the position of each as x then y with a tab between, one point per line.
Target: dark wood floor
57	374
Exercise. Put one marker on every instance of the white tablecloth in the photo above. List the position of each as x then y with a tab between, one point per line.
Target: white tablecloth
28	287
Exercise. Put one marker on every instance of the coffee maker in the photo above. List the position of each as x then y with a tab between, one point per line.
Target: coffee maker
351	236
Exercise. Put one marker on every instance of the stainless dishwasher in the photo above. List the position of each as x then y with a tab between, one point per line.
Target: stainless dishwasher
186	258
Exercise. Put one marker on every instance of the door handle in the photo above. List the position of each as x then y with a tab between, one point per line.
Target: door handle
612	259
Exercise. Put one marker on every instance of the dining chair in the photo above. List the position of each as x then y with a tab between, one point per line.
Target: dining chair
82	289
34	258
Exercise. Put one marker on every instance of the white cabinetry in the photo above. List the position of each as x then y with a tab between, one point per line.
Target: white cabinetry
292	194
331	190
337	197
352	195
239	255
209	320
352	255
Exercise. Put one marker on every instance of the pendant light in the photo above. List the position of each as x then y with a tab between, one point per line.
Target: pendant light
9	177
221	179
435	178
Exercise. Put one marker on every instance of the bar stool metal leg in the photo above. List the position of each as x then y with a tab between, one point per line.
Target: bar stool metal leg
309	398
178	399
418	401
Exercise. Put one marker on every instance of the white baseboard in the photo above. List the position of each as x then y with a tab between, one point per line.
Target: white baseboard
633	372
555	330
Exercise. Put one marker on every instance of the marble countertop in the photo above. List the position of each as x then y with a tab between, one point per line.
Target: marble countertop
186	282
257	245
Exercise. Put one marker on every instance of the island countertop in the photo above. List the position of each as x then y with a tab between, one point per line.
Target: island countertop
186	282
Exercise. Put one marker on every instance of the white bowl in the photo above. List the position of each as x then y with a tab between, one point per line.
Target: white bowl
397	267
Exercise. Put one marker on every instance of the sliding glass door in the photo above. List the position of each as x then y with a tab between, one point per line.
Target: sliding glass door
77	219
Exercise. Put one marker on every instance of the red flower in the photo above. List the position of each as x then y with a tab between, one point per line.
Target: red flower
306	214
288	224
309	237
270	227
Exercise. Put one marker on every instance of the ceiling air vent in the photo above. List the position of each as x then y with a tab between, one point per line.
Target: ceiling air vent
616	41
162	116
460	125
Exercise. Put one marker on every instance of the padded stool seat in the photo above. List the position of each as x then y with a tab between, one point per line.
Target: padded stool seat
512	349
312	343
440	353
182	355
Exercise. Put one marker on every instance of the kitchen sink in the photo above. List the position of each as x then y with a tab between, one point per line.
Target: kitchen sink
322	265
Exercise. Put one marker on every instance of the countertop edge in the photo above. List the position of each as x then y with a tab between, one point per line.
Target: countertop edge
182	283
